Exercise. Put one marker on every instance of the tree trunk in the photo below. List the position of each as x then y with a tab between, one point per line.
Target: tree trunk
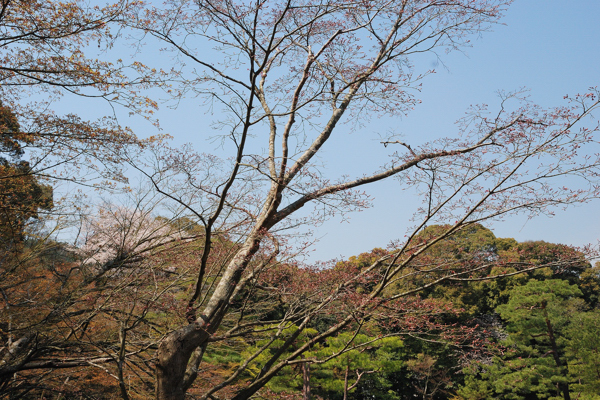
306	381
173	355
346	381
176	348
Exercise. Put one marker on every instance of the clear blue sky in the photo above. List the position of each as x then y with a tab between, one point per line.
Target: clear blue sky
551	47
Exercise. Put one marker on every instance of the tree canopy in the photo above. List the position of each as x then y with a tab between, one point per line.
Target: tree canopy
192	285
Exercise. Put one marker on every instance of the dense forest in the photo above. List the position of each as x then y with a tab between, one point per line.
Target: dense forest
92	330
135	268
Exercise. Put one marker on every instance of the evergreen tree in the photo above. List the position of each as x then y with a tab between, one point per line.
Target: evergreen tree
21	193
550	349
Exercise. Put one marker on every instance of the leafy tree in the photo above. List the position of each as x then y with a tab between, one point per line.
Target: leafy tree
589	283
537	315
481	296
546	324
353	363
21	194
582	349
48	294
481	299
10	135
362	369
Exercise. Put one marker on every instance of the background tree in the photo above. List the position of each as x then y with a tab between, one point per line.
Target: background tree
548	327
582	349
536	316
47	52
48	293
44	288
363	367
21	195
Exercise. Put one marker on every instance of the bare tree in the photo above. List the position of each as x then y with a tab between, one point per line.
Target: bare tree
292	74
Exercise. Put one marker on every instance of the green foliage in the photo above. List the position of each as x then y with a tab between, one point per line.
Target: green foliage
532	304
537	316
583	351
524	368
275	338
369	363
472	244
482	297
21	193
226	356
551	347
344	362
589	283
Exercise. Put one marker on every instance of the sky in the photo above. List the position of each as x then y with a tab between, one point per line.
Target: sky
549	47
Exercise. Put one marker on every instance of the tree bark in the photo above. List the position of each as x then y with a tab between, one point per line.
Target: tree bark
176	349
306	381
346	381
